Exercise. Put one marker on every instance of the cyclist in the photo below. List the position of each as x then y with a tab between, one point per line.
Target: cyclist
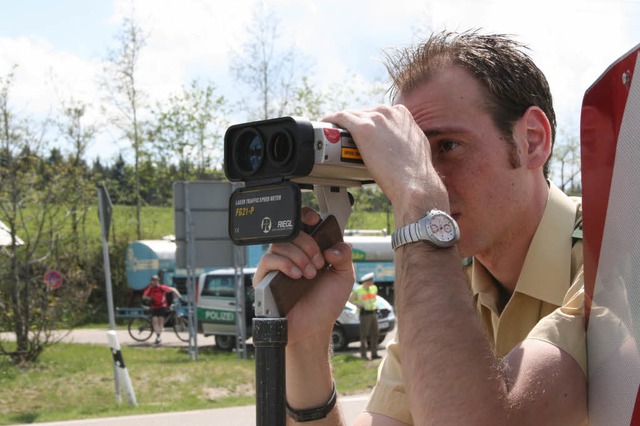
156	295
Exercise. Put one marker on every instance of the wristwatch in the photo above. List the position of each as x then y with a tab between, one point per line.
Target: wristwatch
437	228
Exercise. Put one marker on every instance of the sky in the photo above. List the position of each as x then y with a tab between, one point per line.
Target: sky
58	46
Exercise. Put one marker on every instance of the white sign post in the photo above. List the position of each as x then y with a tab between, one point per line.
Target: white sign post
119	370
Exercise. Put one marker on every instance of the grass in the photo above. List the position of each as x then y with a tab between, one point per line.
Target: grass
158	222
75	381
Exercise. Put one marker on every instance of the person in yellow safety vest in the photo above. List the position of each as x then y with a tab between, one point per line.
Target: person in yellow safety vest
364	297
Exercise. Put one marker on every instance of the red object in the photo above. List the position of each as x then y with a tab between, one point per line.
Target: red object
610	155
332	135
635	420
53	279
158	295
602	111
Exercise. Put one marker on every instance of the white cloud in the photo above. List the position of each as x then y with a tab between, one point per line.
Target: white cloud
573	41
44	76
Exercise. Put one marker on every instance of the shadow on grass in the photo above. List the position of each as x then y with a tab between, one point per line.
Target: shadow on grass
24	417
213	350
347	358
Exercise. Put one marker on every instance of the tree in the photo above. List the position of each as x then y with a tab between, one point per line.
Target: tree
356	92
188	129
81	192
566	159
123	87
32	194
120	177
269	71
308	102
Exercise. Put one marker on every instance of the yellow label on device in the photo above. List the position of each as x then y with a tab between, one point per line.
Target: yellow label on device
351	154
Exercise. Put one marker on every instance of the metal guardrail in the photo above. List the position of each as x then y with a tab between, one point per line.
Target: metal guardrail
133	313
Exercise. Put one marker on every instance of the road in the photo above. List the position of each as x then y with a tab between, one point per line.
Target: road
169	339
234	416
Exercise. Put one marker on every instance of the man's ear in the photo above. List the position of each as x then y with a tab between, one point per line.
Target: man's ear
537	131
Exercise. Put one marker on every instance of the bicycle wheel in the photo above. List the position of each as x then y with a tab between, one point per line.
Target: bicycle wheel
140	329
181	328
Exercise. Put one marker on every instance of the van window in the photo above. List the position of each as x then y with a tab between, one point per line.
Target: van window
219	286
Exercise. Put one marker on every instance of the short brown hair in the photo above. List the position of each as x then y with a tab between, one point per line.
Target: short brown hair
512	80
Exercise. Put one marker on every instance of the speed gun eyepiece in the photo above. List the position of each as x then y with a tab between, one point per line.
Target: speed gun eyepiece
273	157
268	150
292	148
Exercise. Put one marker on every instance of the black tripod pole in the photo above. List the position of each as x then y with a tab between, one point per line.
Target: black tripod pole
269	340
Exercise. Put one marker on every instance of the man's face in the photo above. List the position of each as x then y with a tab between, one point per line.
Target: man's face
487	195
155	282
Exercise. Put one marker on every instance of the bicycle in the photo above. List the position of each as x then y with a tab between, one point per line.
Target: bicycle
140	327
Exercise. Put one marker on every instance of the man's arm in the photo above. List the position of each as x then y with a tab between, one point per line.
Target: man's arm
353	298
547	387
309	379
451	374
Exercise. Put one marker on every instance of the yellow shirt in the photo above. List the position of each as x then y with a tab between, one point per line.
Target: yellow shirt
547	303
365	298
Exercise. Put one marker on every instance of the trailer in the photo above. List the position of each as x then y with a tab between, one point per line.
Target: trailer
371	253
146	258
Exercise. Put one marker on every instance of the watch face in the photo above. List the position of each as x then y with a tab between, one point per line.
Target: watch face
443	229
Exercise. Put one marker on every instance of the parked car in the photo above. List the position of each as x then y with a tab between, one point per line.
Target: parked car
216	311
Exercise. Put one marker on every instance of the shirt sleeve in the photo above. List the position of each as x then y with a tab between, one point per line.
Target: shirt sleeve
565	327
388	396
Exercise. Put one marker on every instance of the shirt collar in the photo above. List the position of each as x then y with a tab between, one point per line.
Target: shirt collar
546	272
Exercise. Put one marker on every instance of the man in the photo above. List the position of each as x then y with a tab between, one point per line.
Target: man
156	295
466	144
364	297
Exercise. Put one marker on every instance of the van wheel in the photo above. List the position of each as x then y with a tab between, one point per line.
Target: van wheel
225	343
338	339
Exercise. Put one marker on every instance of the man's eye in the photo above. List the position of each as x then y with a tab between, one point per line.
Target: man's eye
446	146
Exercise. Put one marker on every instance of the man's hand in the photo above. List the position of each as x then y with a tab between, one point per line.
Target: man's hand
312	318
398	156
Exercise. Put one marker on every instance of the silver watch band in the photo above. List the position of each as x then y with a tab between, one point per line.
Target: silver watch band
405	235
420	231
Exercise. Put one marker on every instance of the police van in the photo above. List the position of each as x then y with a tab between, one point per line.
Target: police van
217	307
